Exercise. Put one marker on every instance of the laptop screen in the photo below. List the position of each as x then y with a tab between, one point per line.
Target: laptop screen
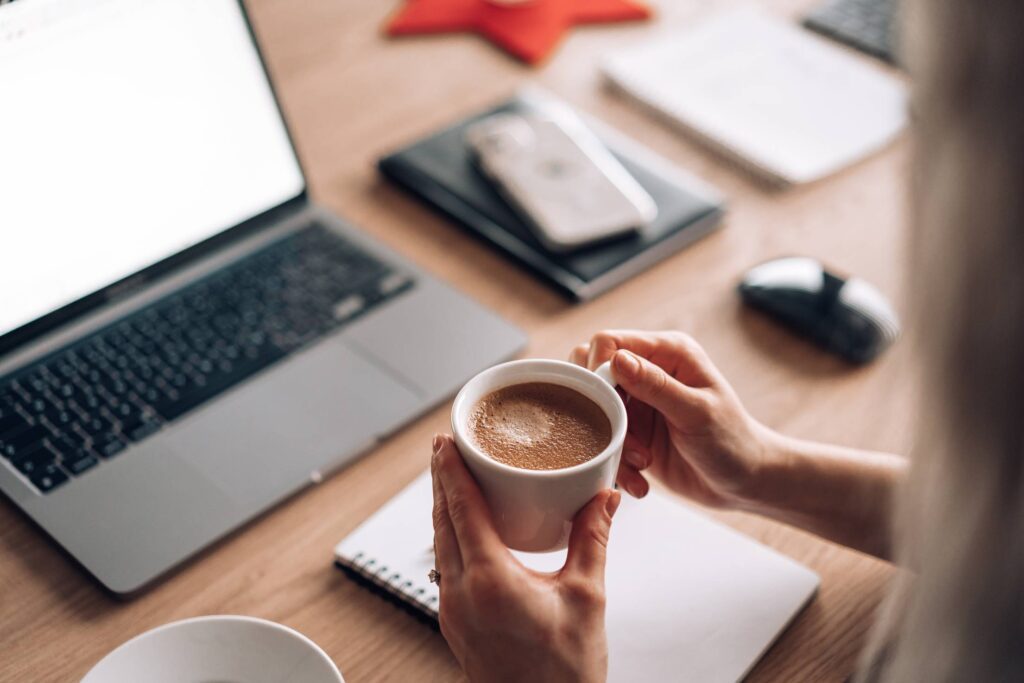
129	131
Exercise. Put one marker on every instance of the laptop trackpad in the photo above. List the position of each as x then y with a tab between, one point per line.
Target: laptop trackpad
312	412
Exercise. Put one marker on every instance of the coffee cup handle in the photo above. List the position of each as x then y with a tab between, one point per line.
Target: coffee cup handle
604	371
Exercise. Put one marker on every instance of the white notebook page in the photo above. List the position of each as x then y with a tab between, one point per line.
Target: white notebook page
688	599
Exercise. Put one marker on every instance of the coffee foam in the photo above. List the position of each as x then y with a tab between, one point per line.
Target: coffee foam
539	426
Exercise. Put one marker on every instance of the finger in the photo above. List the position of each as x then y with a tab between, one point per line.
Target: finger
637	457
475	534
588	542
631	479
678	403
603	345
446	548
640	422
633	482
677	353
578	356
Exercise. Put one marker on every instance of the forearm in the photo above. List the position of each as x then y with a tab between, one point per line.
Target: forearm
841	494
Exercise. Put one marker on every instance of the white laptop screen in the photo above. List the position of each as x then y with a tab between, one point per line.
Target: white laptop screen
129	131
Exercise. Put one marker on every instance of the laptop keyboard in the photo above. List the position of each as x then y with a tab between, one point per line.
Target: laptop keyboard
86	403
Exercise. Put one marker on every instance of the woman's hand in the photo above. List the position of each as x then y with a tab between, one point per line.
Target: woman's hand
503	621
686	424
688	429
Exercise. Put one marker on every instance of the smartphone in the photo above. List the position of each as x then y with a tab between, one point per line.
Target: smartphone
560	178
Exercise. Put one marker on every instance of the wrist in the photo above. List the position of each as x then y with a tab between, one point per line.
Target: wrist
841	494
774	467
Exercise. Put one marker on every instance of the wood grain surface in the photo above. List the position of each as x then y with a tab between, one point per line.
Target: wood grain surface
351	95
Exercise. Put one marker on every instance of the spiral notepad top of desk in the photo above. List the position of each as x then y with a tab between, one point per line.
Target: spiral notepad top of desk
394	548
687	598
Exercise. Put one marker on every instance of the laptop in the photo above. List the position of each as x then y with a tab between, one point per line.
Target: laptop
186	338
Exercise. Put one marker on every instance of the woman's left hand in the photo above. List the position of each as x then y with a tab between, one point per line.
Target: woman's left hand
502	620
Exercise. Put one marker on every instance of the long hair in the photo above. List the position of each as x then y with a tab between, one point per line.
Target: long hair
957	613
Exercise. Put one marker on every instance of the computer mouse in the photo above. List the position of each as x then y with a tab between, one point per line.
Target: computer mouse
846	316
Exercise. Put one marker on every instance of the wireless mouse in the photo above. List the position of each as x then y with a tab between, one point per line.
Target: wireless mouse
846	316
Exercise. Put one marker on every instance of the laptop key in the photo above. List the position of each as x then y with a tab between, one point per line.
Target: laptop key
48	478
109	446
349	306
95	426
392	283
11	422
139	428
125	412
79	462
22	441
67	442
59	418
33	460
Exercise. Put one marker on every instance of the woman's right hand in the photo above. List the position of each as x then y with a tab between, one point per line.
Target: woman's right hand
688	429
686	425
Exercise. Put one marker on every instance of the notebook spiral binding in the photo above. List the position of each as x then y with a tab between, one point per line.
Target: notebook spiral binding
401	592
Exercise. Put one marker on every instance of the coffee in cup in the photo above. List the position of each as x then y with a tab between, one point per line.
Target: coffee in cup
539	426
533	509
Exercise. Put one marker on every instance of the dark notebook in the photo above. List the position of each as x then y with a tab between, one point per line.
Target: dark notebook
440	170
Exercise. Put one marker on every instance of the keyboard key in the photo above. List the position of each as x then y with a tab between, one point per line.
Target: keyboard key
78	463
33	459
96	426
125	412
59	418
140	428
67	442
348	307
392	283
36	406
87	404
22	441
48	478
11	422
109	446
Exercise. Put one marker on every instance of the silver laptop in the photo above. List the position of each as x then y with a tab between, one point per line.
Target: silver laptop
185	338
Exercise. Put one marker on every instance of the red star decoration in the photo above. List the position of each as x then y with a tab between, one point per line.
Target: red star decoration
529	30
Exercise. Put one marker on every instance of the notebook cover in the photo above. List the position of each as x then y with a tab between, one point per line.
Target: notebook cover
818	109
440	170
688	599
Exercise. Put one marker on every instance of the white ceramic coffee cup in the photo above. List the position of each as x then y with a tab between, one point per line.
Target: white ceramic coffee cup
534	509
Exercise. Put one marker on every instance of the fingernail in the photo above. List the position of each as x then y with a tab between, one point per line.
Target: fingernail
634	458
612	504
438	442
627	363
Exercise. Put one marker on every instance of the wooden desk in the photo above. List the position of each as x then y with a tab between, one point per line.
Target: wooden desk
352	95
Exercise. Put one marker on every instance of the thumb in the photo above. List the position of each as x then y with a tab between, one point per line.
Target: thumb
647	382
588	542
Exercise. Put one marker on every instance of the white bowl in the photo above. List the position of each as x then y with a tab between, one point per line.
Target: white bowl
217	649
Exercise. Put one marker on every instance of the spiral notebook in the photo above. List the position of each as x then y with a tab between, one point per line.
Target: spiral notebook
687	598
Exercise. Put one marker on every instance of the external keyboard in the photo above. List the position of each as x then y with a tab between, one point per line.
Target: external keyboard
867	25
87	402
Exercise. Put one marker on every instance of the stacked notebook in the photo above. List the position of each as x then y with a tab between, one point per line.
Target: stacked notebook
688	599
440	170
